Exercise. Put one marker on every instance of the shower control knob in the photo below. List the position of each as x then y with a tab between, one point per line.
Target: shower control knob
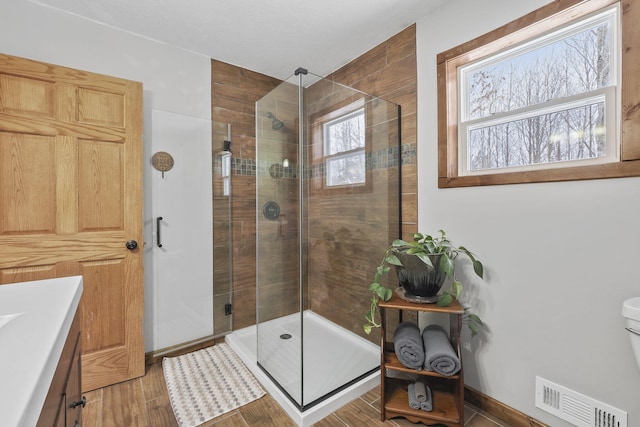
131	245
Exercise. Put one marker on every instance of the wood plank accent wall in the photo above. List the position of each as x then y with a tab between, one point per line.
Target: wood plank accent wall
349	227
234	92
387	71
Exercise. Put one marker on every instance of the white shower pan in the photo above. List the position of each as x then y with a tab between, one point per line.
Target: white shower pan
342	357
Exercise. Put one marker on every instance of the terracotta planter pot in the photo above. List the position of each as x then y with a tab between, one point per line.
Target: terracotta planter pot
419	279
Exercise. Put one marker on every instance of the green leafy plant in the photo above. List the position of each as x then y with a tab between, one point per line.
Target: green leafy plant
421	246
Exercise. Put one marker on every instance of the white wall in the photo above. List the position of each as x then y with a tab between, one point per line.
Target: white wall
559	257
174	81
182	295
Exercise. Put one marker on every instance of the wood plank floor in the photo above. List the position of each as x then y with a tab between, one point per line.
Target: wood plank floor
144	402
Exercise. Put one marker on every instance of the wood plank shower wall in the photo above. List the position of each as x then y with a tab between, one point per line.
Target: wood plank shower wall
387	71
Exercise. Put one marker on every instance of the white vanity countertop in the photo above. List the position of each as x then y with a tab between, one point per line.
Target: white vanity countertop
35	318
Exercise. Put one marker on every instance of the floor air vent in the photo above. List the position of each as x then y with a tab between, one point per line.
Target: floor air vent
576	408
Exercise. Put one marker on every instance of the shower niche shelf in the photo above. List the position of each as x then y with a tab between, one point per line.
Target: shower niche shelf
447	391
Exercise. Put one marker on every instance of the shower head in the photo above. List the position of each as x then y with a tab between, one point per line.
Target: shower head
275	123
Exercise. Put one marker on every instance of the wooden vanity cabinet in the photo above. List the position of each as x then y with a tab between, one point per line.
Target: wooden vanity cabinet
64	402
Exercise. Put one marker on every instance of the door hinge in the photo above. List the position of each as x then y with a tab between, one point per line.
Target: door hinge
227	309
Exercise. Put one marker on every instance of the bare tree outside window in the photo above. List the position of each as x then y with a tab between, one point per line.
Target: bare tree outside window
344	149
540	104
550	96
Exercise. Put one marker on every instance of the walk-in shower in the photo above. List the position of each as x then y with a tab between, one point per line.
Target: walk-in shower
328	188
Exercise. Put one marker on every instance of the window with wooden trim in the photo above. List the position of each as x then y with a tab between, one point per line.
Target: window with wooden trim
544	98
344	143
340	148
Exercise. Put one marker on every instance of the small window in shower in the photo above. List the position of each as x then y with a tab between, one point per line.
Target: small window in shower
344	149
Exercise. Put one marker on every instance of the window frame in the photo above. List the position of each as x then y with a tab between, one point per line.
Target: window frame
328	157
606	95
318	184
540	21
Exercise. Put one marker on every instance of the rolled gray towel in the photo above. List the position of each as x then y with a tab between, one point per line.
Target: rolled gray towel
421	391
427	404
439	354
408	345
413	403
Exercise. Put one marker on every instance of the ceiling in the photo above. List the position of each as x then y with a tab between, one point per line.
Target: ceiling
272	37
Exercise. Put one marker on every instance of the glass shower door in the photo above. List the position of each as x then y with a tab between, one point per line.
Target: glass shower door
351	205
279	334
222	226
328	193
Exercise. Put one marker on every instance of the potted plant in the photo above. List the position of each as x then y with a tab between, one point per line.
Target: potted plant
422	267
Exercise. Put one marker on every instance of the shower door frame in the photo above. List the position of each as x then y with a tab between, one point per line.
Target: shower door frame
303	201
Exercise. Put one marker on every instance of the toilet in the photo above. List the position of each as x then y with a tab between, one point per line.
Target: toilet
631	311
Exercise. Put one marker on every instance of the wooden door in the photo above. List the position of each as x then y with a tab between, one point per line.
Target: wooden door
70	199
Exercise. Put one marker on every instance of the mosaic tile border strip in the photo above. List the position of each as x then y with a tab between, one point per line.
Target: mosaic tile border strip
378	160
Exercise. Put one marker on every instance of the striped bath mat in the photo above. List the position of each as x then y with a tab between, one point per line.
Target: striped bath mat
207	383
